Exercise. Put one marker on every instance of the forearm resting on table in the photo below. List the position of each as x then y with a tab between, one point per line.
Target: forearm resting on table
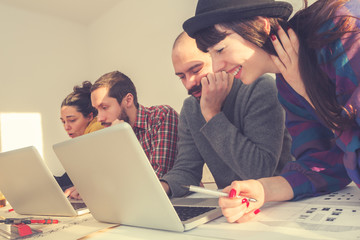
276	189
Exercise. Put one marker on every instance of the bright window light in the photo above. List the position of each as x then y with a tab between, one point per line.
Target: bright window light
21	130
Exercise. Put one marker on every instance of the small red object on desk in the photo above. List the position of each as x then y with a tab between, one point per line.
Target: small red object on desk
22	229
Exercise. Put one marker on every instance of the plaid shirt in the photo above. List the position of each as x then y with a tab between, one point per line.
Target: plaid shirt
156	129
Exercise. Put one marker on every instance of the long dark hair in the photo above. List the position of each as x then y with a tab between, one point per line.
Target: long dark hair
80	99
306	23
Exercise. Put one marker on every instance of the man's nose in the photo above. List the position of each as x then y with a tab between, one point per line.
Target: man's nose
191	82
100	117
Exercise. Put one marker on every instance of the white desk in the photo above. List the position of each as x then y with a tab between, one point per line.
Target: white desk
334	216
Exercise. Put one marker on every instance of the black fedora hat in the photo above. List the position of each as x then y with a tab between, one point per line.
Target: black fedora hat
211	12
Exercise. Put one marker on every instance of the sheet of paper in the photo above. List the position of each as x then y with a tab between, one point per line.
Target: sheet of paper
332	216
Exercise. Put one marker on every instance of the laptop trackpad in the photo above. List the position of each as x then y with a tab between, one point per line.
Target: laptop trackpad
200	202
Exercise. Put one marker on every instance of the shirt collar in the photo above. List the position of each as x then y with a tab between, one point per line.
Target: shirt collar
141	120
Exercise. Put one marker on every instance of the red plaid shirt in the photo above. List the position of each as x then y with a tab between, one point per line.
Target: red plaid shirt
156	129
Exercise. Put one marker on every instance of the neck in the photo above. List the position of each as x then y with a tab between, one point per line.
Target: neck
132	114
272	68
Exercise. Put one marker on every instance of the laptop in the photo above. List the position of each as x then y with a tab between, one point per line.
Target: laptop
115	179
30	188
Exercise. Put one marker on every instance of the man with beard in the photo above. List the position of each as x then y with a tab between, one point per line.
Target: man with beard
238	130
114	96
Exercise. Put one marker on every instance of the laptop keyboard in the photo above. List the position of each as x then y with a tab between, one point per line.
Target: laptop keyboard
78	205
186	213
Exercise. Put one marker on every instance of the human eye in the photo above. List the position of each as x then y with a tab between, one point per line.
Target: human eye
196	70
181	76
218	51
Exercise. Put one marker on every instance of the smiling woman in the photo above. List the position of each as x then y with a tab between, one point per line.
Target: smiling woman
315	56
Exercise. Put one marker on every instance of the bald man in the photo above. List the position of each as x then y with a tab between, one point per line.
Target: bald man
238	130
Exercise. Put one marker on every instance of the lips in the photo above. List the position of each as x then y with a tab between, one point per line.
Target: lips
197	94
195	91
236	72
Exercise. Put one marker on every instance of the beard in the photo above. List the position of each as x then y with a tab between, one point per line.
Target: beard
123	116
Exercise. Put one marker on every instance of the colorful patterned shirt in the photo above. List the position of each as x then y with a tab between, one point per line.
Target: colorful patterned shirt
156	129
326	161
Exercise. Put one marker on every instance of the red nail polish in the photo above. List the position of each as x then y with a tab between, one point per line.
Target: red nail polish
256	211
232	193
245	201
273	37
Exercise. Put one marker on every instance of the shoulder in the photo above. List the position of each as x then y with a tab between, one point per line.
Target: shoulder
190	106
266	81
161	112
93	126
190	101
264	85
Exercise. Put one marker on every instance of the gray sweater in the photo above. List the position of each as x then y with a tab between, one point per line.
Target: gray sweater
246	140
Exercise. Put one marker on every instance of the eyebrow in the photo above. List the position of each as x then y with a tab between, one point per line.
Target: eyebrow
191	68
68	116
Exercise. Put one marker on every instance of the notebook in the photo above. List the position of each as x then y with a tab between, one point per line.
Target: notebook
115	179
29	186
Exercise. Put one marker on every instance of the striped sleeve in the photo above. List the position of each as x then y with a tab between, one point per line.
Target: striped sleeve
318	168
326	161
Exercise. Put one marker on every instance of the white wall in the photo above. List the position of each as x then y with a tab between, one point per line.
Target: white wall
40	59
43	57
136	38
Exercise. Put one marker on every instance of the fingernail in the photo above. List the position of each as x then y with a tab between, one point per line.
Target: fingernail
256	211
273	37
232	193
245	201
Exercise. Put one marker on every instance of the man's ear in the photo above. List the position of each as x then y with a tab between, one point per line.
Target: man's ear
128	100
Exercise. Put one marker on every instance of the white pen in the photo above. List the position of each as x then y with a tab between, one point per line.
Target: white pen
213	192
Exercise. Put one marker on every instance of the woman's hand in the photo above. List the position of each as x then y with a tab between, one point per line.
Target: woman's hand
268	189
288	60
235	208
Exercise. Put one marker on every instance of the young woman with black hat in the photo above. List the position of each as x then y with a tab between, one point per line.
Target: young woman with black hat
316	58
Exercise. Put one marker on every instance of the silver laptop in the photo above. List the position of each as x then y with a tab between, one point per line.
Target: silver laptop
29	186
116	181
